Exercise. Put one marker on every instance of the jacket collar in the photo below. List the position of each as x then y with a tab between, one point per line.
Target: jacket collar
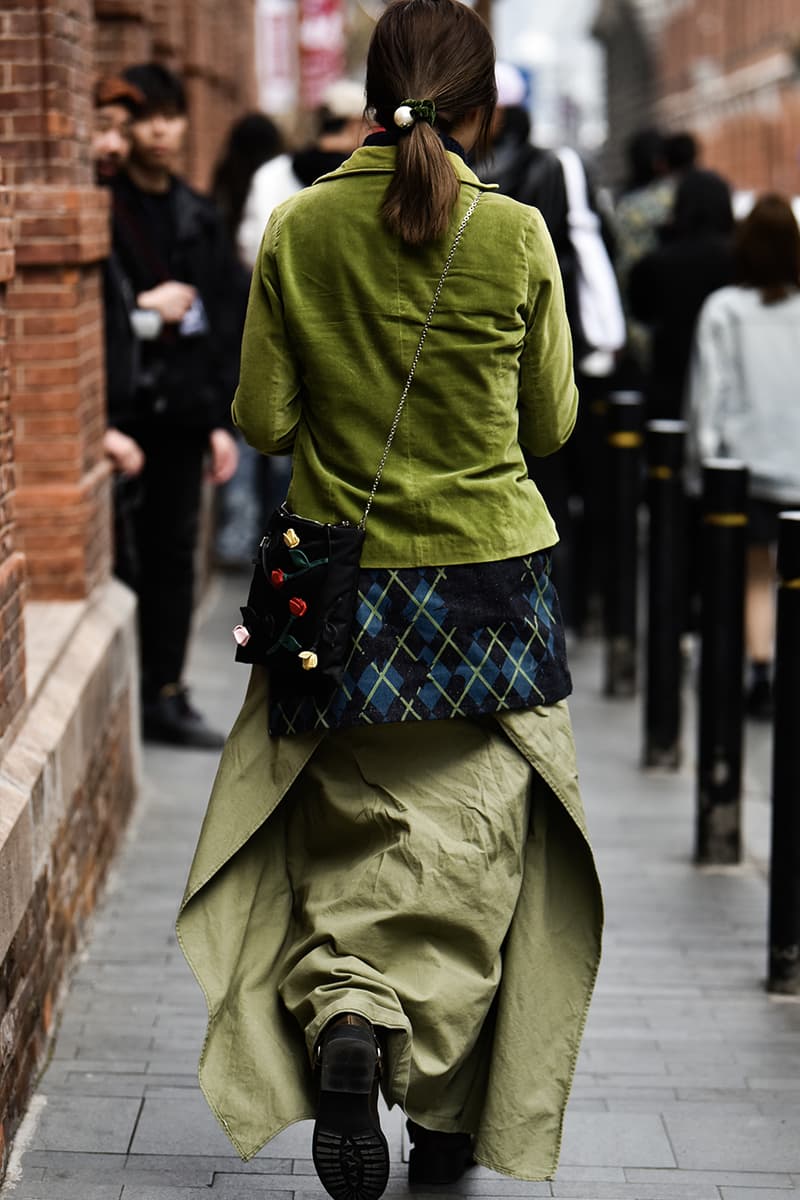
380	160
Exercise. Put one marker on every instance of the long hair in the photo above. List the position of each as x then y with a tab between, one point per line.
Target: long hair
252	141
436	50
768	249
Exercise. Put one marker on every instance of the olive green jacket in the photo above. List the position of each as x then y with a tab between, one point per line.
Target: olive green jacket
336	309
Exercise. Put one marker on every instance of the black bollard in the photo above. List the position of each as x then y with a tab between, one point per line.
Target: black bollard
666	592
595	516
624	475
784	895
719	768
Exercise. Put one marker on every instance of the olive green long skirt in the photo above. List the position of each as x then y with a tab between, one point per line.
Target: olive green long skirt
435	878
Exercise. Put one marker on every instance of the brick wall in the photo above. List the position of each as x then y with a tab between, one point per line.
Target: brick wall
53	301
12	651
725	69
728	70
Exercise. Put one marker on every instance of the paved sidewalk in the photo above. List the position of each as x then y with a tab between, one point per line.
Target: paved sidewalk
689	1079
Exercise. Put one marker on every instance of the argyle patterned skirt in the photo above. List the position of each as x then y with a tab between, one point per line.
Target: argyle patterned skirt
430	643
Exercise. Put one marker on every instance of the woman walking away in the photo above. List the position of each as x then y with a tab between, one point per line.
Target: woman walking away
742	402
393	888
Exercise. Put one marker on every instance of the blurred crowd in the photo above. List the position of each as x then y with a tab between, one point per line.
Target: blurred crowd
666	291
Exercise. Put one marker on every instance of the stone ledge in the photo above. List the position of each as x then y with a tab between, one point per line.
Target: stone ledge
93	664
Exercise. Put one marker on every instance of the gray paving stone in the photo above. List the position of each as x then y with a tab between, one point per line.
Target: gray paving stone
751	1179
734	1143
87	1124
243	1192
677	1190
615	1140
232	1165
574	1174
118	1066
774	1083
96	1085
187	1128
749	1193
70	1160
55	1189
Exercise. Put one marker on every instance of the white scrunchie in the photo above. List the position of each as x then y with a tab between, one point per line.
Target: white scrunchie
403	116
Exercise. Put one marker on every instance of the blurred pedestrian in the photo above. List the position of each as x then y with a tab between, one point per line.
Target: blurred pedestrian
169	241
252	141
259	483
668	286
116	102
539	177
386	890
742	403
340	129
681	152
655	163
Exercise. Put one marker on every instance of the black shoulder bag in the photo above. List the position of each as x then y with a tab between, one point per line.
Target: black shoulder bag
303	594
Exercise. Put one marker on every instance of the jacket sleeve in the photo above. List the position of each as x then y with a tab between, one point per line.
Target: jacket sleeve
266	407
548	397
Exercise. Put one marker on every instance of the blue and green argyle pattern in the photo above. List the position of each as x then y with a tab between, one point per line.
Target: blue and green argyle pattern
430	643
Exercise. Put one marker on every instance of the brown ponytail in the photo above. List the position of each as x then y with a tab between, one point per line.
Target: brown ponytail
440	51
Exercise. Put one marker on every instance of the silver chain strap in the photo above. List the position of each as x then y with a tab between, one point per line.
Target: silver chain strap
421	343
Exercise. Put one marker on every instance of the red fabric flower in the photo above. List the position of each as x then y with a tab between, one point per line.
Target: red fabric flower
277	578
297	606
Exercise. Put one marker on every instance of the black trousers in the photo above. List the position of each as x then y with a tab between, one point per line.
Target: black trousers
155	551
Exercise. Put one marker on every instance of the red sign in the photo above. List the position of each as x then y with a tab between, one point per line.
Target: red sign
322	48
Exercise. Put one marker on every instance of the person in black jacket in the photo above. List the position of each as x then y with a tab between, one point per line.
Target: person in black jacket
668	286
169	243
534	175
116	102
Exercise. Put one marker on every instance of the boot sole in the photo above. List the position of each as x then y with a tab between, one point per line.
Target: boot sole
350	1153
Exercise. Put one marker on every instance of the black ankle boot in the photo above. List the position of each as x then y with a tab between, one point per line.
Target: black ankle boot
350	1153
437	1158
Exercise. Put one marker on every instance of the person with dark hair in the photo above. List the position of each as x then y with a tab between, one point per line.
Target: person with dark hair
641	212
252	141
668	286
742	403
259	483
116	103
680	151
394	888
340	129
169	242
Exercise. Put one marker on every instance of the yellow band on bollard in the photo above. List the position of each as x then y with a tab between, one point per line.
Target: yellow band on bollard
625	440
792	584
727	520
661	472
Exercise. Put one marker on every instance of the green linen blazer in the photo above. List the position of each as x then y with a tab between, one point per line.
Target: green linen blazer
336	307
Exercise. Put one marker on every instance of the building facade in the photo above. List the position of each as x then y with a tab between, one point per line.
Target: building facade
68	675
728	70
